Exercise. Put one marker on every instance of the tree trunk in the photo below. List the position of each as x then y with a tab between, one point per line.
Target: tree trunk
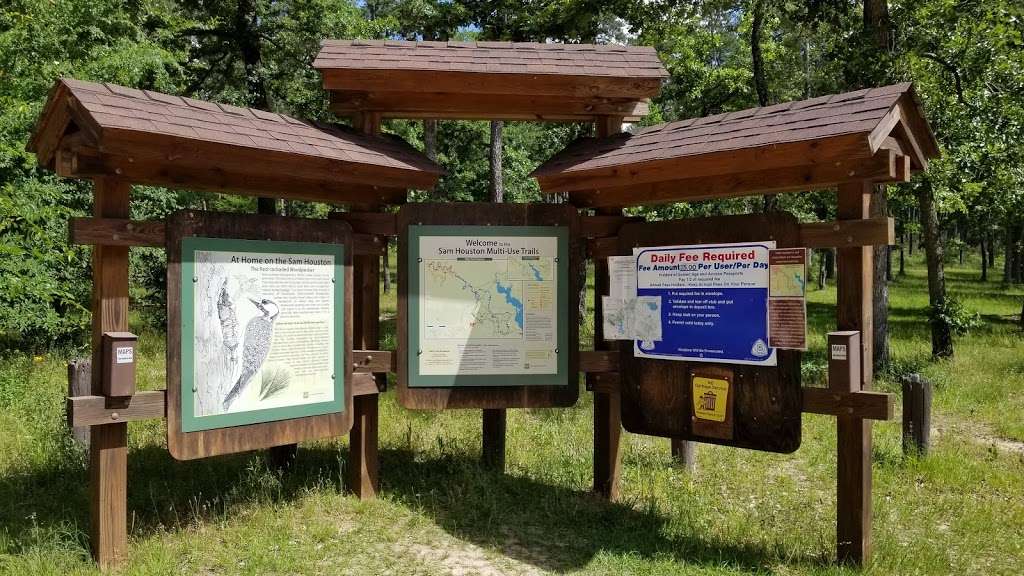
903	264
497	183
876	22
1008	252
942	334
830	263
1018	258
769	202
984	259
880	300
991	250
430	139
247	35
821	269
757	58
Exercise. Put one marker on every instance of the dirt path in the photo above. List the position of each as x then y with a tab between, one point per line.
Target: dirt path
976	433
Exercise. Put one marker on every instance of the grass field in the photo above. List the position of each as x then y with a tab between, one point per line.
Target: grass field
959	510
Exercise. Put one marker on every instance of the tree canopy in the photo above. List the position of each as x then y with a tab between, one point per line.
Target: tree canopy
965	56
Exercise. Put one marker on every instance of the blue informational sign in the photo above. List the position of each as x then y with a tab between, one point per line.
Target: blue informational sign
713	302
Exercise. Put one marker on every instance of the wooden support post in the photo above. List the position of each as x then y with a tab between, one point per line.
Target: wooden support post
362	469
917	415
80	384
854	313
684	453
108	444
493	452
363	460
607	404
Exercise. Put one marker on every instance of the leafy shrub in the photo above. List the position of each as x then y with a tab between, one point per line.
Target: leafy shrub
954	314
44	299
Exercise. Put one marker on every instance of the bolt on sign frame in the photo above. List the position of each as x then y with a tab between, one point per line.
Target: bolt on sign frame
117	137
656	394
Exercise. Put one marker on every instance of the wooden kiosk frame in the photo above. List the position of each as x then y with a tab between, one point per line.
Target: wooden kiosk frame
852	142
119	136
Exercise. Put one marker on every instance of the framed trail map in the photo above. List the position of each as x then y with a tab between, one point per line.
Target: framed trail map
487	306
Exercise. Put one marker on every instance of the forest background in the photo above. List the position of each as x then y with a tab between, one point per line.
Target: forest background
966	58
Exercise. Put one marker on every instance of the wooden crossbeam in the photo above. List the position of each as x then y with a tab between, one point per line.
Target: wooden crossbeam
691	168
469	106
603	225
684	187
97	410
374	361
259	178
152	233
848	233
152	404
861	404
379	223
837	234
426	81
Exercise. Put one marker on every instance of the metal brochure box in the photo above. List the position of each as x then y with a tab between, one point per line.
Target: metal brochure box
118	363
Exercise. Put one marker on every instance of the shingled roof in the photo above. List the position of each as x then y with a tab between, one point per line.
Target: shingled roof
489	80
817	142
120	121
610	60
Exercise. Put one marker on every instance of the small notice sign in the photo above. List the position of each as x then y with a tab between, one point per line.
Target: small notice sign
710	396
711	401
125	354
838	352
787	302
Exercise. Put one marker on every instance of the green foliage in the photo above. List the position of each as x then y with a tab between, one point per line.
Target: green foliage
43	300
954	314
965	57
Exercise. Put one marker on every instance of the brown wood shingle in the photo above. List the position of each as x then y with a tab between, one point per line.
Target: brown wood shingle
615	61
808	144
108	109
824	117
489	80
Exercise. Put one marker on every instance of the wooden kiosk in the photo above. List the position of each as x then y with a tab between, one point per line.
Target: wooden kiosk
118	137
852	142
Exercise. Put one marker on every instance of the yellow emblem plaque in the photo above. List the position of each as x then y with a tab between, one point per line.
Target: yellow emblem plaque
710	398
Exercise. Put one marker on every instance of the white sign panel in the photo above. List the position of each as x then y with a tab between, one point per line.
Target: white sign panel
488	305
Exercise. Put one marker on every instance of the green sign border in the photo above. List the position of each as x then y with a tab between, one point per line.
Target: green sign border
417	380
192	423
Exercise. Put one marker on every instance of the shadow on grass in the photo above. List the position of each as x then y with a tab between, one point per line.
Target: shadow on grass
550	527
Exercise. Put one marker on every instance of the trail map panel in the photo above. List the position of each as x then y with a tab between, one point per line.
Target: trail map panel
488	305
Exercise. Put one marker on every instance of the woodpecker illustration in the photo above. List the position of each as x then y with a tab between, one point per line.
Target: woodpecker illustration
258	334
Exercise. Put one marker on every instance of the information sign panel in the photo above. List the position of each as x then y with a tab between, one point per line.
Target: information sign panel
711	276
260	322
708	301
488	305
259	331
